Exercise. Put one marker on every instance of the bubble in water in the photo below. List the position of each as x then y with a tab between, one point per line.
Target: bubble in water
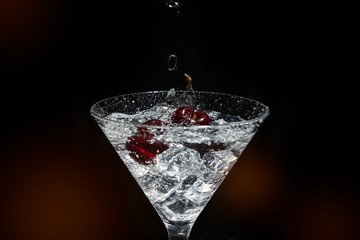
172	3
172	62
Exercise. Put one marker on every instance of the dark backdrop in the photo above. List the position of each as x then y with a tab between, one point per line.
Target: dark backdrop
60	178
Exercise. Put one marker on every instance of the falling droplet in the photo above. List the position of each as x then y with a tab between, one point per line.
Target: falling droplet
172	3
172	62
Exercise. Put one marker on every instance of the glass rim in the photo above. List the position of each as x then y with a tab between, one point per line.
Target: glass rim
229	124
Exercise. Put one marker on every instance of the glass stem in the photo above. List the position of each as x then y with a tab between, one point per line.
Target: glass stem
179	231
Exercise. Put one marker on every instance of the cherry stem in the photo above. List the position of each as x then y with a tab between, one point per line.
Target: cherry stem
189	86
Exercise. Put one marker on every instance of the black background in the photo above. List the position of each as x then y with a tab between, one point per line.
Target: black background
60	57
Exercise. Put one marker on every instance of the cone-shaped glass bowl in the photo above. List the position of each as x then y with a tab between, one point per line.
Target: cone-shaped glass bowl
179	167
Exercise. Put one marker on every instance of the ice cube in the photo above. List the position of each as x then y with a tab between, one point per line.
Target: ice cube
220	161
188	182
180	206
147	181
164	187
212	177
200	191
237	147
136	169
202	187
178	161
156	187
187	100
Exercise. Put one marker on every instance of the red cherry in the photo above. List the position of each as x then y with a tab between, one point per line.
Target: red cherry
183	115
144	149
203	148
153	122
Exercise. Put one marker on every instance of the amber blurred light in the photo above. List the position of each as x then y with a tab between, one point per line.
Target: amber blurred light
324	213
25	24
52	192
256	184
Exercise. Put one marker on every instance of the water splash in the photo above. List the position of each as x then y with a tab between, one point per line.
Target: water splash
170	97
172	62
172	3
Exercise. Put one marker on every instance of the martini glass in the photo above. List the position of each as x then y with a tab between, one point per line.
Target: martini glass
182	165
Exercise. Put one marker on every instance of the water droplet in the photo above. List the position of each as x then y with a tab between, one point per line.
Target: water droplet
172	62
172	3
